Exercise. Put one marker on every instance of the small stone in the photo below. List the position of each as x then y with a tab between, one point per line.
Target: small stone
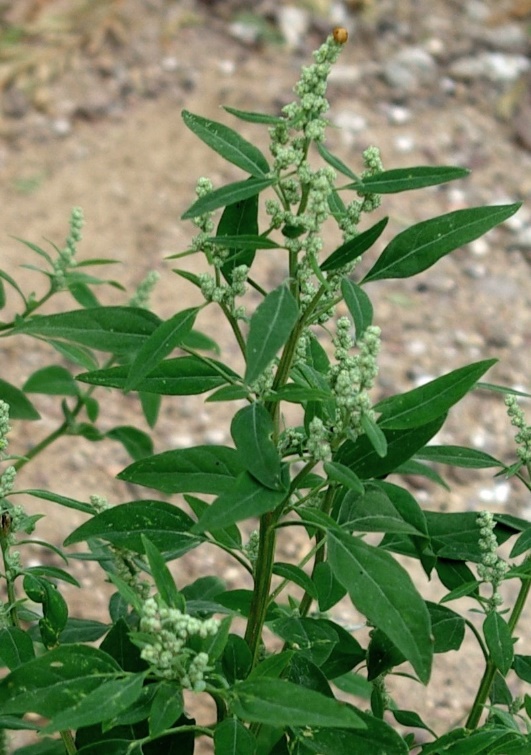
170	63
410	68
62	126
479	247
15	103
404	143
397	115
293	23
494	66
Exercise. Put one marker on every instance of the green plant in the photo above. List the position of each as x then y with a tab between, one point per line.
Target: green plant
327	476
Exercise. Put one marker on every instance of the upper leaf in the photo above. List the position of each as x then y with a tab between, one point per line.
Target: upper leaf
180	376
166	526
405	179
355	247
161	342
270	328
201	469
423	404
228	143
227	195
251	430
420	246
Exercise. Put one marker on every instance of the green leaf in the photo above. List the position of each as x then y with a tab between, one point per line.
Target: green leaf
167	707
250	117
354	248
16	647
201	469
246	242
362	459
375	434
161	342
82	630
180	376
456	535
270	327
411	719
329	590
296	575
137	443
522	544
252	429
245	499
382	591
522	667
52	682
166	526
12	282
232	738
427	402
335	162
312	638
238	219
115	329
499	641
372	511
447	626
162	577
405	179
420	246
69	503
228	143
458	456
227	195
53	380
344	476
378	738
116	695
281	703
359	305
20	407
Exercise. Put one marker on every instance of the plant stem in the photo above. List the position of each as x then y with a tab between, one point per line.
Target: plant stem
68	741
490	669
262	584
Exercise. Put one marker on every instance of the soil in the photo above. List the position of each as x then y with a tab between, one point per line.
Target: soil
91	118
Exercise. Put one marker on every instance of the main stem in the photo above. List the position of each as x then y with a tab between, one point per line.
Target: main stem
490	669
262	584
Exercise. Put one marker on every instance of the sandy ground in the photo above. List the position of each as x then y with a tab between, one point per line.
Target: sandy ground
105	133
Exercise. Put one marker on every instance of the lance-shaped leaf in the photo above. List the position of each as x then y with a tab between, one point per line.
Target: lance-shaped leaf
423	404
252	429
419	247
226	195
362	459
180	376
499	641
115	329
458	456
335	162
201	469
238	220
355	247
20	407
246	241
232	738
247	498
87	710
281	703
228	143
359	305
161	342
269	330
405	179
54	681
382	591
166	527
251	117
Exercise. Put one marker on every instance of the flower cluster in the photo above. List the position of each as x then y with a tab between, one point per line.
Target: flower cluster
7	479
66	258
144	290
164	636
492	568
353	375
523	436
226	293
